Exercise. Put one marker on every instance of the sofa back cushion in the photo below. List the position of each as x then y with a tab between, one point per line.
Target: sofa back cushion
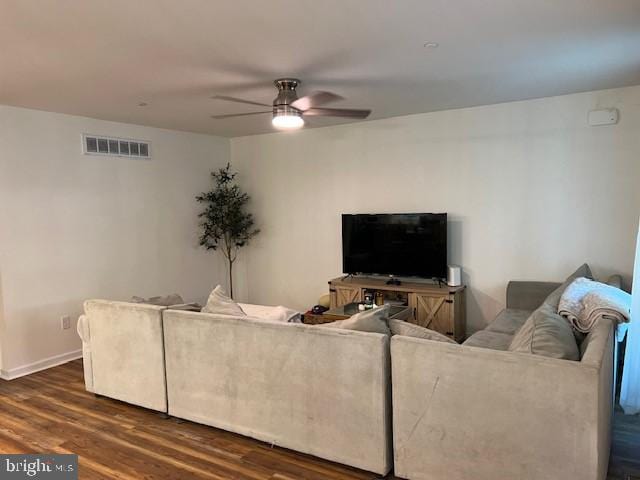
554	297
222	304
509	321
489	339
548	334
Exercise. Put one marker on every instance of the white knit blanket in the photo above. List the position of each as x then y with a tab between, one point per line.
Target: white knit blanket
584	302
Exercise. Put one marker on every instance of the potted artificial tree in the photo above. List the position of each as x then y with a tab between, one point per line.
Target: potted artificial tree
224	222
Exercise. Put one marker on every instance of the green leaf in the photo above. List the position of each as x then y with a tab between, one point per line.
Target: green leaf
224	219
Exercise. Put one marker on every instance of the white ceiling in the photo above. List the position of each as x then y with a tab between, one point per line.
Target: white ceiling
101	58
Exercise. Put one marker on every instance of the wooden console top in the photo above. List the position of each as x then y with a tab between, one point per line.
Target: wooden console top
374	283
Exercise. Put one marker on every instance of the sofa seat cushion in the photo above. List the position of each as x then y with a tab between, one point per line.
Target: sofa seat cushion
490	340
548	334
509	321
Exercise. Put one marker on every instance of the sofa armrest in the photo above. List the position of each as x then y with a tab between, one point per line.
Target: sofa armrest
470	413
526	295
126	350
84	334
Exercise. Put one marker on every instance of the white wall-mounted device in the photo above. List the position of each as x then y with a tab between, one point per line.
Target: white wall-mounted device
607	116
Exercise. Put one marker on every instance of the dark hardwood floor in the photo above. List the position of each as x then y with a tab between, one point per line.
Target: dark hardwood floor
625	451
51	412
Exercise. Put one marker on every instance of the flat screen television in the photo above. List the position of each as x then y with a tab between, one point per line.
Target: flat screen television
404	244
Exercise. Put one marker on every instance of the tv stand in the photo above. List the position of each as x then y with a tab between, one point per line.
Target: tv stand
437	307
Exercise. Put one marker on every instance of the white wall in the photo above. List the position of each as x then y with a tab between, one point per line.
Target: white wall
531	190
74	226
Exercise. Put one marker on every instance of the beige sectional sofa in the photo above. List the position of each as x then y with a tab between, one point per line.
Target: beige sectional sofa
316	390
460	412
479	412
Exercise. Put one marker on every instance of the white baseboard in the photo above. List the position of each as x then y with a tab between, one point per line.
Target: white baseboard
40	365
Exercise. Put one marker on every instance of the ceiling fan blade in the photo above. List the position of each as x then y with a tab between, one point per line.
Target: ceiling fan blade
337	112
231	115
238	100
315	99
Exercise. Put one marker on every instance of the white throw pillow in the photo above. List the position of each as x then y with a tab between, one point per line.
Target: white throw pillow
406	329
222	304
373	320
283	315
271	314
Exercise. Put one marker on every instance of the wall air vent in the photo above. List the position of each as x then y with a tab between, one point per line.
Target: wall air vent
115	147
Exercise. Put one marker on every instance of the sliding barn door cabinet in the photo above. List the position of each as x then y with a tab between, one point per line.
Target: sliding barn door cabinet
437	307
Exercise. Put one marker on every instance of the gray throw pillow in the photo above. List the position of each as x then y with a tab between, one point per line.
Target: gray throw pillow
554	297
546	333
406	329
222	304
373	320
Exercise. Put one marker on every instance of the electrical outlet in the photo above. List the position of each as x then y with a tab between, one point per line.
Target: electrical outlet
66	322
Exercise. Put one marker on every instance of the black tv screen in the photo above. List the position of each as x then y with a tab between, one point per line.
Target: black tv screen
406	244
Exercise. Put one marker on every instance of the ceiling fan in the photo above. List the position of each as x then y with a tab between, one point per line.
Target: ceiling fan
288	110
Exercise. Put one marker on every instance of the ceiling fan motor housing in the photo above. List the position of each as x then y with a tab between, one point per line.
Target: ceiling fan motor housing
286	96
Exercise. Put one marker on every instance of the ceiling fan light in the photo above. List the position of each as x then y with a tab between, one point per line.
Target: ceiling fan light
287	121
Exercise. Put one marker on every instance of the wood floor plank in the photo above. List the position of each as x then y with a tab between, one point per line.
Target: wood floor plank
50	411
131	461
123	414
10	444
120	439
